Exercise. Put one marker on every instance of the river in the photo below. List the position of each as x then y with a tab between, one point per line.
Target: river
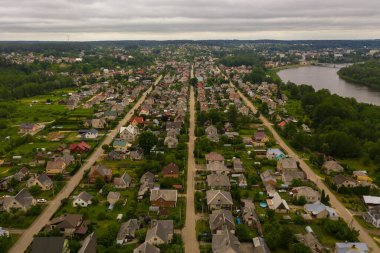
327	78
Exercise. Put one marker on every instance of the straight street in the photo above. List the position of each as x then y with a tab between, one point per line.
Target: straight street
27	237
312	176
188	232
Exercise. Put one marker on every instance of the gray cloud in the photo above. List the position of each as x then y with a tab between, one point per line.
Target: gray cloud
183	19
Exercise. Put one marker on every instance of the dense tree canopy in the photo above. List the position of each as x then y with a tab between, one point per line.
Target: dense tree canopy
343	127
367	73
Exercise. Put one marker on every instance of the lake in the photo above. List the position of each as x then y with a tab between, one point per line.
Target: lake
327	78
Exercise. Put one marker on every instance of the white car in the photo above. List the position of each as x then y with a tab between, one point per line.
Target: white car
41	201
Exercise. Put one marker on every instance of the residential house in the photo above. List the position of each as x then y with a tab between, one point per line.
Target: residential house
306	192
171	142
269	180
23	201
332	167
89	134
146	184
129	133
249	215
21	174
288	176
89	244
225	242
350	247
113	198
55	167
30	128
242	181
287	164
275	202
218	182
43	181
98	123
163	198
215	163
81	147
310	240
212	133
120	145
69	224
275	154
83	199
238	165
127	231
218	199
146	247
320	211
122	182
160	232
219	219
100	172
342	180
136	155
50	245
371	200
259	245
372	216
171	170
362	177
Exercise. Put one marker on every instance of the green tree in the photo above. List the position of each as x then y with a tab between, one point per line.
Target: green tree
147	140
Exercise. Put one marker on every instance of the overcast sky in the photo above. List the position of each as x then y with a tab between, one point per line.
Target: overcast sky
188	19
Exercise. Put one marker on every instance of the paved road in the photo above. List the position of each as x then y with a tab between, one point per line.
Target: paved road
188	233
27	237
311	175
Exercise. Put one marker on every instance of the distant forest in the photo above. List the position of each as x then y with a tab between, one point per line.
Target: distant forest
19	81
367	73
40	46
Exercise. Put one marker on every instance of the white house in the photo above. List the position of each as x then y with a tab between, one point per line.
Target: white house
83	199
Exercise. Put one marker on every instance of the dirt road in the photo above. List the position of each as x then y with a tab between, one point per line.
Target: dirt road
27	237
311	175
188	233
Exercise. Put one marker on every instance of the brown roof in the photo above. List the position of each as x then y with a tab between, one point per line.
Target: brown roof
214	157
170	169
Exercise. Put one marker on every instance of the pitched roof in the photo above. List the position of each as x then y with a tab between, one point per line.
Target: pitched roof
167	195
89	244
170	169
67	221
221	218
84	196
218	180
24	198
48	245
217	197
146	247
161	229
225	242
213	156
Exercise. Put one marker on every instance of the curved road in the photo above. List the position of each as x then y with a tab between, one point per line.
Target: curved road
311	175
27	237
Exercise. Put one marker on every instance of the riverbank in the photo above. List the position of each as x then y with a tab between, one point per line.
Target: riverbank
358	82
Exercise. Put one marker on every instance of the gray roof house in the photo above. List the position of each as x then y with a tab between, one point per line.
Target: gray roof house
259	245
146	247
351	247
225	242
50	245
127	231
372	216
218	199
218	181
160	232
219	219
89	244
122	182
23	200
